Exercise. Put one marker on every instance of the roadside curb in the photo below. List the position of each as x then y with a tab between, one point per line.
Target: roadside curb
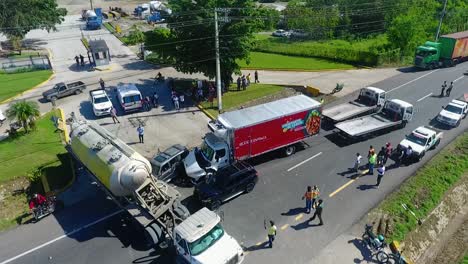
300	70
30	89
205	112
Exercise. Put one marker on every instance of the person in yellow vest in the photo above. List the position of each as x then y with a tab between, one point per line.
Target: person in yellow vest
372	161
308	197
271	233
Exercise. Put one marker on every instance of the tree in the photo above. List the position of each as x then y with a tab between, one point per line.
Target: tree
135	36
24	112
18	17
191	43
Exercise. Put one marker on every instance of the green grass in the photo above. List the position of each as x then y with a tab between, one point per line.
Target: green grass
16	83
464	260
25	54
424	191
235	99
259	60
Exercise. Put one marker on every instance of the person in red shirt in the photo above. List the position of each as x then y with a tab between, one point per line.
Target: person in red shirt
37	201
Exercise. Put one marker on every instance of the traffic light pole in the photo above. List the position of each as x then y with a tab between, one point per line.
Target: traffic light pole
440	21
218	66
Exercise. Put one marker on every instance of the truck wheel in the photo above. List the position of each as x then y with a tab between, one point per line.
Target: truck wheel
289	150
53	98
249	187
458	123
403	124
153	233
77	92
421	156
181	211
215	205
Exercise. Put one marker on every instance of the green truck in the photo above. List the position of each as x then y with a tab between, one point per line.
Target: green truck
450	50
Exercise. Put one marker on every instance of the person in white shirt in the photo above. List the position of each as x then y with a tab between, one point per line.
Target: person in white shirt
181	100
380	174
357	162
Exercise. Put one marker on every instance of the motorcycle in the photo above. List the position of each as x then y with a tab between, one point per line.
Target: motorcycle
50	206
375	243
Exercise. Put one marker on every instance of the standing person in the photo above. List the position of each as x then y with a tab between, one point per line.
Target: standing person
388	152
444	85
400	157
113	114
176	102
371	151
141	133
77	59
318	212
449	89
238	83
182	99
256	77
271	233
156	99
308	197
315	195
244	82
82	60
381	156
408	155
102	83
200	94
372	160
357	162
248	79
380	174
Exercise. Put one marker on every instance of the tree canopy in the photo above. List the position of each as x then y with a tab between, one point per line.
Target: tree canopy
190	41
18	17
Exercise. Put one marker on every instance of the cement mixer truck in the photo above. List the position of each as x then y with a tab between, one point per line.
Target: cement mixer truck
153	205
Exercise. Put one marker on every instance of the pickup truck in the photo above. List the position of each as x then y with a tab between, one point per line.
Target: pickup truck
395	113
102	105
62	89
454	112
370	100
168	164
421	140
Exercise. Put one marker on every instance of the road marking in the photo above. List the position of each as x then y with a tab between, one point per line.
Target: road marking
258	244
302	162
424	97
299	217
364	172
457	79
60	237
398	87
284	227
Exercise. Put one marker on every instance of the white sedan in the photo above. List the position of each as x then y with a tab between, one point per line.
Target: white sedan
281	33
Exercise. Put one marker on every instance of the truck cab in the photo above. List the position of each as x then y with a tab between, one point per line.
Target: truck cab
200	239
213	154
421	140
428	55
372	96
398	110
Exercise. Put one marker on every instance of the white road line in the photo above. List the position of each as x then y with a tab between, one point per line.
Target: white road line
459	78
60	237
422	98
299	164
398	87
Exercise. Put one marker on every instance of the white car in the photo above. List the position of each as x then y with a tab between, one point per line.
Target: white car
281	33
421	140
2	117
453	113
102	105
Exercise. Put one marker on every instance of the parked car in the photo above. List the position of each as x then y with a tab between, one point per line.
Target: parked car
129	97
227	183
421	140
453	113
167	165
102	105
63	89
281	33
299	33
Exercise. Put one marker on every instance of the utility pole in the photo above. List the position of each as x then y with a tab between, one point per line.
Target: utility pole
91	3
440	21
218	66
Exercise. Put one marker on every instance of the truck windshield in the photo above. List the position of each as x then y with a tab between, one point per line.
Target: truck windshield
206	241
207	151
101	100
417	139
454	109
422	53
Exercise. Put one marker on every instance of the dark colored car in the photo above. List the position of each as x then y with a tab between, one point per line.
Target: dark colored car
167	165
227	183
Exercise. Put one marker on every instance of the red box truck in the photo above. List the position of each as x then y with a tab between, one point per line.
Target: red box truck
252	131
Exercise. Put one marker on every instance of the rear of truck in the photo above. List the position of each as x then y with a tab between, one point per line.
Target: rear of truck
454	48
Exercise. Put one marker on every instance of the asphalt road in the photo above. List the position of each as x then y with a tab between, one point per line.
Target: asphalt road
277	196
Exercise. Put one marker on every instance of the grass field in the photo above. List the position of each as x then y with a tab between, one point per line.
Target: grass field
235	99
260	60
39	152
16	83
424	191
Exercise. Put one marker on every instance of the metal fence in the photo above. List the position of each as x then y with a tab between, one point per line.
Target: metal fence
41	62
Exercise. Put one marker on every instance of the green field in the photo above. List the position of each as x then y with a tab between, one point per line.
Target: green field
16	83
269	61
235	99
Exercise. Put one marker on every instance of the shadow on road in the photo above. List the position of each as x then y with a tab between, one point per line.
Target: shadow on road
339	140
294	211
365	251
364	187
263	245
408	69
303	225
157	256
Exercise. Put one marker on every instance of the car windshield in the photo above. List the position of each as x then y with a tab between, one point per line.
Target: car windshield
207	151
101	100
417	139
454	109
206	241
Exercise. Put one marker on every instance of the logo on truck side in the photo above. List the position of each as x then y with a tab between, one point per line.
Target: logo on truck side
292	125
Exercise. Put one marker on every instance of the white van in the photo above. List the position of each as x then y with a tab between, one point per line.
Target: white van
129	97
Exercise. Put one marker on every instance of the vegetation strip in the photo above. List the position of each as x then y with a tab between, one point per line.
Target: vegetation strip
14	84
424	190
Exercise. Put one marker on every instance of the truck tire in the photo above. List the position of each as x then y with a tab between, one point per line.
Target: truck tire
403	124
249	187
421	156
181	211
289	150
153	234
458	123
53	98
214	205
77	91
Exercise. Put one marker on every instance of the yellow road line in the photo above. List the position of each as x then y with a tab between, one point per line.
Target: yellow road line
341	188
284	227
299	217
258	244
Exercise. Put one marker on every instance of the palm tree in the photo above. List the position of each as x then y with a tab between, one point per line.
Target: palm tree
25	112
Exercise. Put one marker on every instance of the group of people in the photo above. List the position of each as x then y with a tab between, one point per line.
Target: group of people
178	100
449	89
244	81
79	60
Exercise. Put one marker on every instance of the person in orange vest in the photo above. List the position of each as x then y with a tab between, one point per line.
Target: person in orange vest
308	197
